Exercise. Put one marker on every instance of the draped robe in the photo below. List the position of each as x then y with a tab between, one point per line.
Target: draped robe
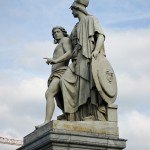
81	98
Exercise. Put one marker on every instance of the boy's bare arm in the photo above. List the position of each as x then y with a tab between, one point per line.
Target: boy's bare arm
68	51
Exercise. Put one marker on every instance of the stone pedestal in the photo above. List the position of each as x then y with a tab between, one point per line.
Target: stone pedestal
78	135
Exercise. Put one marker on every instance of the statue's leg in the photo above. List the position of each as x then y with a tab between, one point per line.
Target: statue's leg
50	104
50	94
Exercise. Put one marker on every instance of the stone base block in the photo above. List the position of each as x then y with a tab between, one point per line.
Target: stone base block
112	113
65	135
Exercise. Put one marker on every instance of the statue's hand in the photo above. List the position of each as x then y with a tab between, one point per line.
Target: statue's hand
49	61
95	54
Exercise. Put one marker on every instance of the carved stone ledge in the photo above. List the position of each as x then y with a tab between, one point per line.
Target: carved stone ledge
62	135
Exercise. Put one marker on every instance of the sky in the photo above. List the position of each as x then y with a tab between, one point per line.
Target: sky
25	38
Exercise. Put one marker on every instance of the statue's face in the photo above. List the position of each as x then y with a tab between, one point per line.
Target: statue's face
58	34
74	12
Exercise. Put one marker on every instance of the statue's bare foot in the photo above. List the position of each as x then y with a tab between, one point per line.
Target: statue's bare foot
38	126
62	117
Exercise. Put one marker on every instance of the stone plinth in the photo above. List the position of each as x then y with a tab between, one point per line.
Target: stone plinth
66	135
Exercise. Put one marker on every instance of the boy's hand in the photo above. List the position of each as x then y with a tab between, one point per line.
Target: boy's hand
49	61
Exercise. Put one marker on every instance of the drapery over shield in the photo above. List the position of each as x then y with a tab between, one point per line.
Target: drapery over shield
104	78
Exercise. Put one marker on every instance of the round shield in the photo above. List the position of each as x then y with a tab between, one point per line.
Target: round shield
104	78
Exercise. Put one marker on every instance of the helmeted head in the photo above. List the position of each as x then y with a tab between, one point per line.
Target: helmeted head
80	5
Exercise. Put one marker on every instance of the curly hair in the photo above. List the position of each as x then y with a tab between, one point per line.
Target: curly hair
63	31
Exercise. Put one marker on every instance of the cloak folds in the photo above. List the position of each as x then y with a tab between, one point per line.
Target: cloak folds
77	85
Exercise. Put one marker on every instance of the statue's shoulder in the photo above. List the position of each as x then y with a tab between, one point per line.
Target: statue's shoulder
91	18
65	40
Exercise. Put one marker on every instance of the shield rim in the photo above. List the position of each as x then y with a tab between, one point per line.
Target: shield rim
102	92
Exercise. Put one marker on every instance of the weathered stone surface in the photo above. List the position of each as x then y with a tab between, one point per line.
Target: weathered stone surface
58	135
99	127
112	113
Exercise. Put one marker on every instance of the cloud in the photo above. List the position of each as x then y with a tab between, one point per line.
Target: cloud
31	56
134	126
128	53
4	109
23	91
141	84
8	147
22	101
24	106
27	62
129	50
130	45
126	14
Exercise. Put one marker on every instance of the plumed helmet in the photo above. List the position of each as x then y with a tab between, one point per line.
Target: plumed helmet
80	5
83	2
